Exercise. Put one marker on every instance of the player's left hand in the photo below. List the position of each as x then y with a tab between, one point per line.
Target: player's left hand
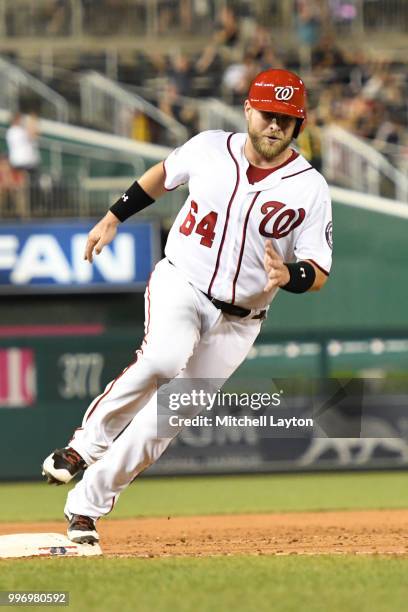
277	271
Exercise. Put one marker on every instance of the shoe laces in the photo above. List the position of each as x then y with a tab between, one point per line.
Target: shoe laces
84	521
72	456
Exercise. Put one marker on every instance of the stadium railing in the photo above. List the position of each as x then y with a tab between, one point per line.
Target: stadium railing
111	106
216	115
17	82
351	162
83	171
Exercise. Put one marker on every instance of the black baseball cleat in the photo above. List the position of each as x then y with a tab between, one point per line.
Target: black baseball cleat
62	466
82	530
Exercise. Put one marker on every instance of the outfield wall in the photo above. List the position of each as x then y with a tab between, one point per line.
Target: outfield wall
49	375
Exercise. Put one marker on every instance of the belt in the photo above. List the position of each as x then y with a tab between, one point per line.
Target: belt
231	309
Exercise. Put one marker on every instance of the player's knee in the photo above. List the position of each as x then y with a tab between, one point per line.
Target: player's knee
167	366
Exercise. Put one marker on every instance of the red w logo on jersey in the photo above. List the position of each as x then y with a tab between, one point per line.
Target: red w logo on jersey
284	223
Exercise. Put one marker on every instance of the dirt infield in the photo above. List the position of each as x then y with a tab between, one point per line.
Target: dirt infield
364	532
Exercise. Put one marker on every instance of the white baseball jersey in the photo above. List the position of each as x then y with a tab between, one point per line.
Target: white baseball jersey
218	237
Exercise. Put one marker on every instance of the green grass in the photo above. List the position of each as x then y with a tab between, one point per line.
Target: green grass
219	584
221	494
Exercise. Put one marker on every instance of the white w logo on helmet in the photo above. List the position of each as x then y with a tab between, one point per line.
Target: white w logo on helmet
284	92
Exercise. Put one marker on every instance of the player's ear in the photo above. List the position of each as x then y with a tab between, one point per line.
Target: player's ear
247	108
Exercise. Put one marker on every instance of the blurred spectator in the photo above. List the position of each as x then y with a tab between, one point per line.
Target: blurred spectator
237	79
172	104
309	141
309	26
390	136
181	73
271	59
364	116
141	127
32	125
60	14
175	13
224	41
259	43
329	61
23	151
227	28
359	70
389	131
13	191
22	144
262	49
342	11
385	86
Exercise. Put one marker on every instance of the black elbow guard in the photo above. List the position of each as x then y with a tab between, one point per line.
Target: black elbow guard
302	277
133	200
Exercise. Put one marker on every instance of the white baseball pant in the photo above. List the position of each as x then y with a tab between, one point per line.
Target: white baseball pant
186	336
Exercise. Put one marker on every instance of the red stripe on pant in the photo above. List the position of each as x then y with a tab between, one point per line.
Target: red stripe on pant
135	359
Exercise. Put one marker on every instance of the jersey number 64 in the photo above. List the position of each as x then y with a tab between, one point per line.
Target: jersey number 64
205	228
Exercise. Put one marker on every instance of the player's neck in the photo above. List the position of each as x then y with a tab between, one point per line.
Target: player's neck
259	161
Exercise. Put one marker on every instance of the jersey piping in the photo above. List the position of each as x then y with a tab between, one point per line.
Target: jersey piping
241	253
296	173
256	174
228	213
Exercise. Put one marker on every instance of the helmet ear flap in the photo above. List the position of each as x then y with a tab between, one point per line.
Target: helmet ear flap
298	127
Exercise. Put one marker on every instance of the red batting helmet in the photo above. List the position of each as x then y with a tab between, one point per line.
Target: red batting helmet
279	91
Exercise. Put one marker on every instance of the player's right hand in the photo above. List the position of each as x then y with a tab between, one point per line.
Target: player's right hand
275	268
100	235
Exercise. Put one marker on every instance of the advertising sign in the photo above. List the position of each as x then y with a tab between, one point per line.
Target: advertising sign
17	378
49	257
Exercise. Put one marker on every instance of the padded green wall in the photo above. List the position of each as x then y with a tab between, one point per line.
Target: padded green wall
368	284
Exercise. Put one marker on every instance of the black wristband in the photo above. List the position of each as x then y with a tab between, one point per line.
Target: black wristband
302	276
133	200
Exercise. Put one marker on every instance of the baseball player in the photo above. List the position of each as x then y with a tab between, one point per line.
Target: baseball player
257	218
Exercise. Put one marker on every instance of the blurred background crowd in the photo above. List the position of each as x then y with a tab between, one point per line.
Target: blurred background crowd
164	61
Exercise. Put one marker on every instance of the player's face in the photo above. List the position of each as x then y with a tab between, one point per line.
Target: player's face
270	133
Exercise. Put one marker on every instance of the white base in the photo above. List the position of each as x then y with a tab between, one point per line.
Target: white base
44	545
